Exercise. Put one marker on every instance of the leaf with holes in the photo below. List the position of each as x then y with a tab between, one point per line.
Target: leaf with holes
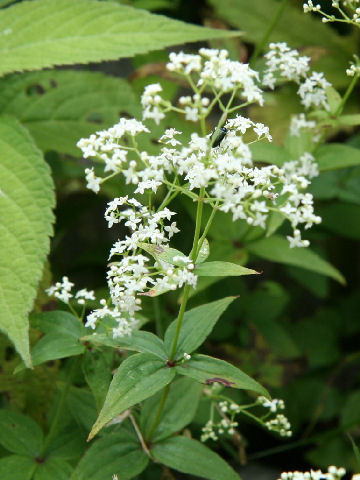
60	107
26	200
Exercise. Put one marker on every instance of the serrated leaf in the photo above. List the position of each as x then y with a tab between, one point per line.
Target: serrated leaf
139	341
20	434
276	249
16	467
190	456
54	468
333	156
43	33
60	107
197	325
137	378
26	200
210	370
61	340
179	409
114	453
222	269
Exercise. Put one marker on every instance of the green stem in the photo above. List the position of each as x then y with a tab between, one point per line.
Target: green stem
159	412
346	95
158	323
260	46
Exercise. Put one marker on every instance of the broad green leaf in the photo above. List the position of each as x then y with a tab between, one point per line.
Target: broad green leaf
209	370
190	456
351	119
54	468
341	218
163	253
222	269
26	200
62	333
139	341
68	32
204	252
276	249
16	467
197	325
267	152
20	434
81	406
114	453
60	107
276	219
179	409
333	98
97	372
137	378
333	156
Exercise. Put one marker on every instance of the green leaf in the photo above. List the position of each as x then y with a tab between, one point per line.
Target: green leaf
26	200
276	219
267	152
341	218
81	406
351	119
276	249
197	325
137	378
54	468
204	252
163	253
139	341
19	433
190	456
179	409
206	369
334	99
97	371
114	453
222	269
333	156
16	467
350	414
60	107
356	451
61	340
84	31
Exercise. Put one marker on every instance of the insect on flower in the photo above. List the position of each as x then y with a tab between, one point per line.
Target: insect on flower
220	135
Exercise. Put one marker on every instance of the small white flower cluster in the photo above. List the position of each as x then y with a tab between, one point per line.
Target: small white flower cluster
131	277
279	424
333	473
287	64
62	291
273	405
211	69
344	17
354	69
229	407
299	122
212	430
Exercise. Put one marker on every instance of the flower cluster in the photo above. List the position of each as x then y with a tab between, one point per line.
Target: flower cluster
273	405
354	69
287	64
333	473
299	122
62	291
212	430
279	424
352	5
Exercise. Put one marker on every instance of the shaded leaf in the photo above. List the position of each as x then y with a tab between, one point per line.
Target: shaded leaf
26	200
54	468
16	467
137	378
333	156
20	434
190	456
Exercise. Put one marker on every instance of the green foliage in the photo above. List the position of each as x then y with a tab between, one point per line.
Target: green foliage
95	31
20	434
137	378
26	200
222	269
60	107
190	456
17	467
210	370
335	156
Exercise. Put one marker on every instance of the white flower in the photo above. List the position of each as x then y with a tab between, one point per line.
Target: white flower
313	91
93	182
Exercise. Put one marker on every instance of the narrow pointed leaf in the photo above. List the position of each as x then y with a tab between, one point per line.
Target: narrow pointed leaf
190	456
163	253
209	370
276	249
137	378
139	341
26	200
43	33
222	269
197	325
204	252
